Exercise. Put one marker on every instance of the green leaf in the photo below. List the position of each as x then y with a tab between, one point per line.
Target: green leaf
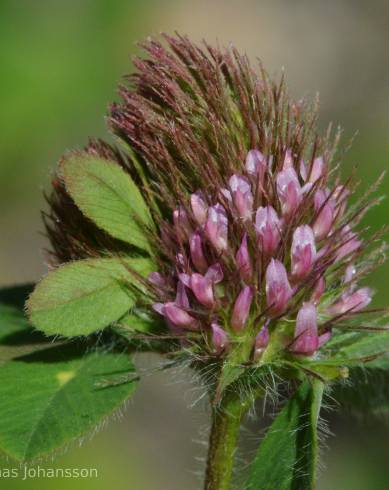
51	397
82	297
106	194
287	456
359	347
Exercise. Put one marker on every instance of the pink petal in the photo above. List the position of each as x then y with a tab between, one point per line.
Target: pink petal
243	260
306	336
303	253
197	253
289	191
241	308
216	227
178	316
267	226
278	290
199	207
203	289
219	338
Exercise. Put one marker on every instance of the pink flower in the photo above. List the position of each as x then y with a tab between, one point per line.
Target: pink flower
288	160
303	252
278	290
261	342
215	273
202	285
350	243
181	223
216	227
241	308
325	218
175	311
256	165
289	191
199	208
202	288
317	170
178	316
306	336
219	338
197	253
267	226
351	302
157	280
242	196
243	260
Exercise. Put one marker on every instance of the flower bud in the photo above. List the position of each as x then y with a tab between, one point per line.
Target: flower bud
261	342
352	302
303	253
324	338
288	160
241	308
181	223
157	280
267	226
350	243
325	218
318	169
243	260
216	227
242	196
182	299
219	338
199	208
306	337
178	316
202	288
197	254
215	273
278	290
256	165
289	191
349	273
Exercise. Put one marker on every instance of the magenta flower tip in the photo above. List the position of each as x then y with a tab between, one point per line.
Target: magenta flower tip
243	260
267	225
303	252
219	338
278	289
216	227
241	308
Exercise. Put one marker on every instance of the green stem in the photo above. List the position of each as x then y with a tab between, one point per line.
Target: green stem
223	439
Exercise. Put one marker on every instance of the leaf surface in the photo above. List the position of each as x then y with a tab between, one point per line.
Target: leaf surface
83	297
287	456
51	397
107	195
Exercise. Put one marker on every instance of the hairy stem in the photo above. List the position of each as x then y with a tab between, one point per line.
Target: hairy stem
223	439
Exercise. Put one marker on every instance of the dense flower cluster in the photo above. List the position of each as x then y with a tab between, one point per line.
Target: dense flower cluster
257	254
253	242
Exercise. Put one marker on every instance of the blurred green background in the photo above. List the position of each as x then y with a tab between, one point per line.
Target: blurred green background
60	62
